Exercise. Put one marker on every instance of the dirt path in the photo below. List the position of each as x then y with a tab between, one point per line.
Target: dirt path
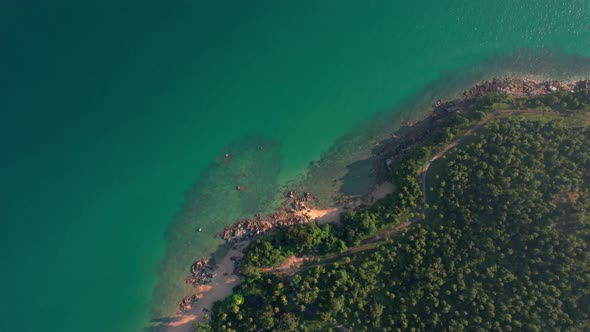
456	142
451	145
294	264
289	264
367	243
224	279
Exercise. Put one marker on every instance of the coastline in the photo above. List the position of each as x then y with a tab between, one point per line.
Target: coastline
225	275
224	279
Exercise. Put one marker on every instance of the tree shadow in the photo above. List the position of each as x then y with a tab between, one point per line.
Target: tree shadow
359	178
158	324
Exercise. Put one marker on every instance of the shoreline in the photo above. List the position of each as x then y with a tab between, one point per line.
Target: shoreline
224	279
297	210
220	278
225	275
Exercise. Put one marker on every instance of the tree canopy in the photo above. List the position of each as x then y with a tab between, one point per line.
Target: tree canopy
502	245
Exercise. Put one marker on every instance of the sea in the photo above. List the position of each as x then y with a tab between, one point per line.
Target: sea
127	125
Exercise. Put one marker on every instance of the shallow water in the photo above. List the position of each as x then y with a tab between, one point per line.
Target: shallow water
344	169
116	117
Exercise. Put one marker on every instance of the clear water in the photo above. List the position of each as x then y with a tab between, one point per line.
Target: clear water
116	117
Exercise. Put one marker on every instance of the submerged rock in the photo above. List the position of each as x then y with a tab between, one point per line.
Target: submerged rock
187	303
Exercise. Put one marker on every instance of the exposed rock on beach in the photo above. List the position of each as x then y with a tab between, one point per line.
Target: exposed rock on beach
295	210
416	133
297	207
201	274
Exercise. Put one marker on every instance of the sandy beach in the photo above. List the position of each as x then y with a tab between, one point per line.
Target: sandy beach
224	279
220	287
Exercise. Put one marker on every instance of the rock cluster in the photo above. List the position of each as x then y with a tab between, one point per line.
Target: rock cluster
187	303
523	87
394	148
201	272
295	211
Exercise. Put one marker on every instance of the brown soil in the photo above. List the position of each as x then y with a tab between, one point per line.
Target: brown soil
290	264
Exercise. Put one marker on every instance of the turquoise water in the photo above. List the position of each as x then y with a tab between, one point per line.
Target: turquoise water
116	117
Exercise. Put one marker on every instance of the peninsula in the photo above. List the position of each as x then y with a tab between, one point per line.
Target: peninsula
479	221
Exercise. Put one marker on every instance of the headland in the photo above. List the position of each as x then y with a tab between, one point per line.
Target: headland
213	281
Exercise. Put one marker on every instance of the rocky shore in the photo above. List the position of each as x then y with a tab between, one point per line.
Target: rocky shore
187	303
517	87
521	87
201	274
295	210
415	133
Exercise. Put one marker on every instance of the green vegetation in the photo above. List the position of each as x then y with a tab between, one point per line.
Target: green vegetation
502	244
294	240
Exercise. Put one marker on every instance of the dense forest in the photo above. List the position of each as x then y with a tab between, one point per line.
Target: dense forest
501	243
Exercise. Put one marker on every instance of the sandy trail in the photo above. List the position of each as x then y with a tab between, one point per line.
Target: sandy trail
289	264
224	279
